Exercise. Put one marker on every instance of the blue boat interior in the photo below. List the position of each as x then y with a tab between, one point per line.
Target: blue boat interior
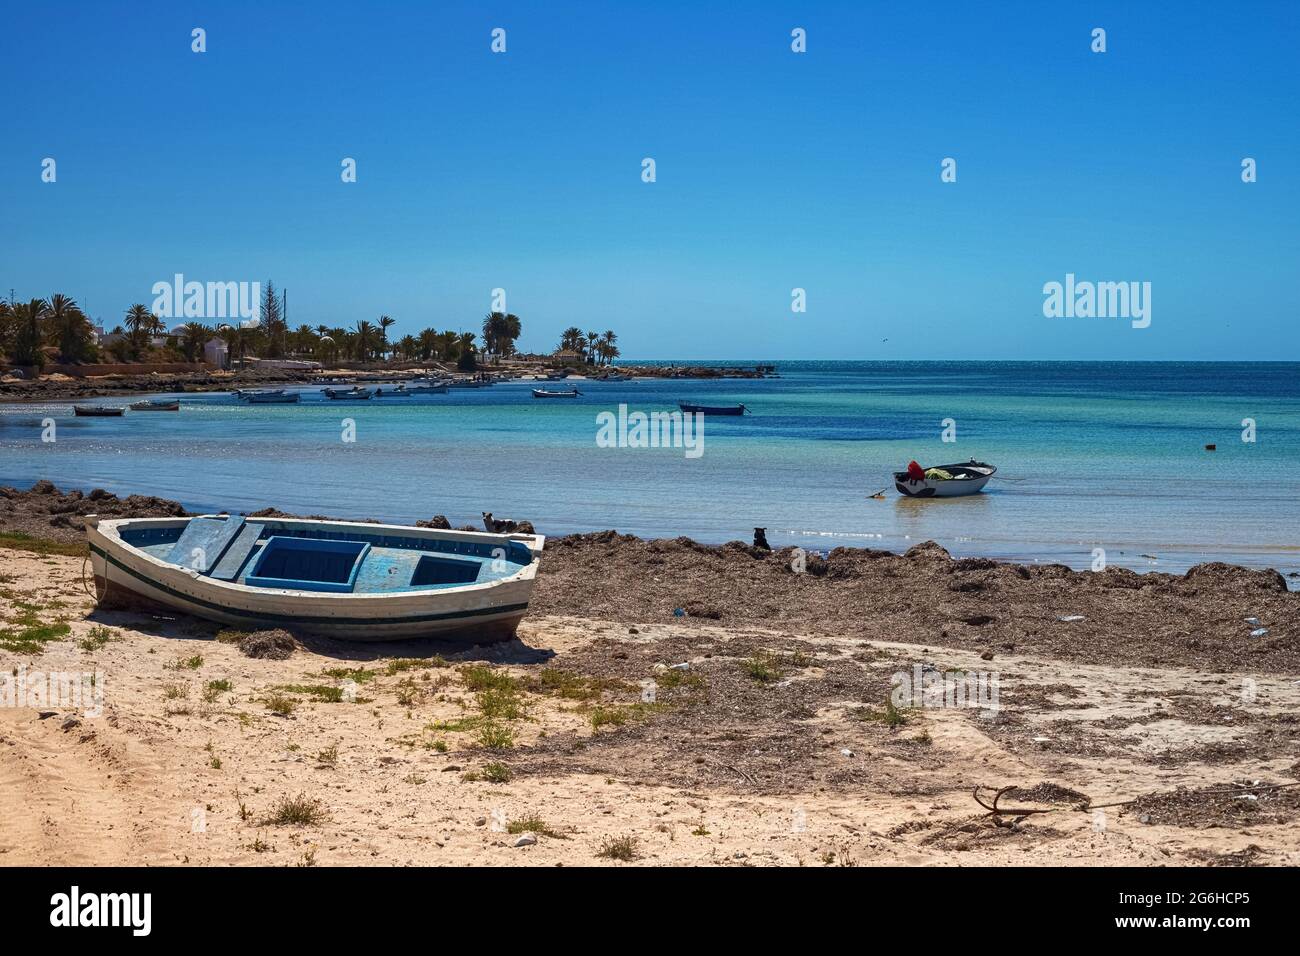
263	554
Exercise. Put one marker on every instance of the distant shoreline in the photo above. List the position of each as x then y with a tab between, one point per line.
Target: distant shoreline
63	388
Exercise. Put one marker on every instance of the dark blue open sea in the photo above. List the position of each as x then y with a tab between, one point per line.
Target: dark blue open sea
1103	455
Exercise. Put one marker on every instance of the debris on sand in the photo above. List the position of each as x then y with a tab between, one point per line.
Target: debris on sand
1220	806
273	645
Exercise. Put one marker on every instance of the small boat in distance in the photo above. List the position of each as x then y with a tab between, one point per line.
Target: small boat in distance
356	392
98	411
399	392
712	409
565	393
962	479
247	393
273	398
155	406
349	580
434	388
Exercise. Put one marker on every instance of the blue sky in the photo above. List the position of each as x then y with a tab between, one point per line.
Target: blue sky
775	170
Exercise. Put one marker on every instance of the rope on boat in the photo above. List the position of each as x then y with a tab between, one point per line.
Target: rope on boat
99	598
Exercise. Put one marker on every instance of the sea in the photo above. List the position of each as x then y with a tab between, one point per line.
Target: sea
1098	462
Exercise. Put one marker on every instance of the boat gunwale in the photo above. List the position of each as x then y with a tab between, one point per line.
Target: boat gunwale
108	529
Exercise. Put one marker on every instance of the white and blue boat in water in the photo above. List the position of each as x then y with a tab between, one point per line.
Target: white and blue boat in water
350	580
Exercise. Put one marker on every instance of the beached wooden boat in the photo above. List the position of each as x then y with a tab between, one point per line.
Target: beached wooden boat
155	406
350	393
712	409
350	580
563	393
273	398
967	479
98	411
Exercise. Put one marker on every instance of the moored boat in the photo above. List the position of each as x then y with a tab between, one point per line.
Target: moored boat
712	409
439	388
273	398
350	580
355	392
944	481
155	406
563	393
98	411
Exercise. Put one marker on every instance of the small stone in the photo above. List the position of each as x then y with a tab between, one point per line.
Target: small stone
70	723
526	840
480	821
847	752
986	656
683	666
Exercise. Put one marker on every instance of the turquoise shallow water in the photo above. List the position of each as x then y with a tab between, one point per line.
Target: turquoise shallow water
1106	455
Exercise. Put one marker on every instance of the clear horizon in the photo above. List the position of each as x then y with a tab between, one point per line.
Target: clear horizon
775	170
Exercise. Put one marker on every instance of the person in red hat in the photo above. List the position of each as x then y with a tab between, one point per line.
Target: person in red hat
915	472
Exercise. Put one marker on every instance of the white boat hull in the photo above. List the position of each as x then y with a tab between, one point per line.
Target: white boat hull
490	611
969	479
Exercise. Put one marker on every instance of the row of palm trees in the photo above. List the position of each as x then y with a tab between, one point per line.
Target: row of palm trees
596	348
28	328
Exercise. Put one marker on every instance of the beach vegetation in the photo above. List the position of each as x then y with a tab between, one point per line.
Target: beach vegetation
97	638
300	810
280	704
762	667
28	634
623	848
495	736
534	824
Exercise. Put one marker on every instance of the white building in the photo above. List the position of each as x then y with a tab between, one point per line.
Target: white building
215	352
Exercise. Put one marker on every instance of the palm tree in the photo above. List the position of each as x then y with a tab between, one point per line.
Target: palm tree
364	342
465	352
6	326
571	339
608	350
140	322
495	331
514	329
385	323
194	335
448	346
428	340
70	327
27	332
592	339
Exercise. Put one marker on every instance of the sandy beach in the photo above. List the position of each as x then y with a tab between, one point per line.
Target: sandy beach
665	702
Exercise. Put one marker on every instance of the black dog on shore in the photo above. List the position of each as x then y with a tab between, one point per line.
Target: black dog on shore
506	525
